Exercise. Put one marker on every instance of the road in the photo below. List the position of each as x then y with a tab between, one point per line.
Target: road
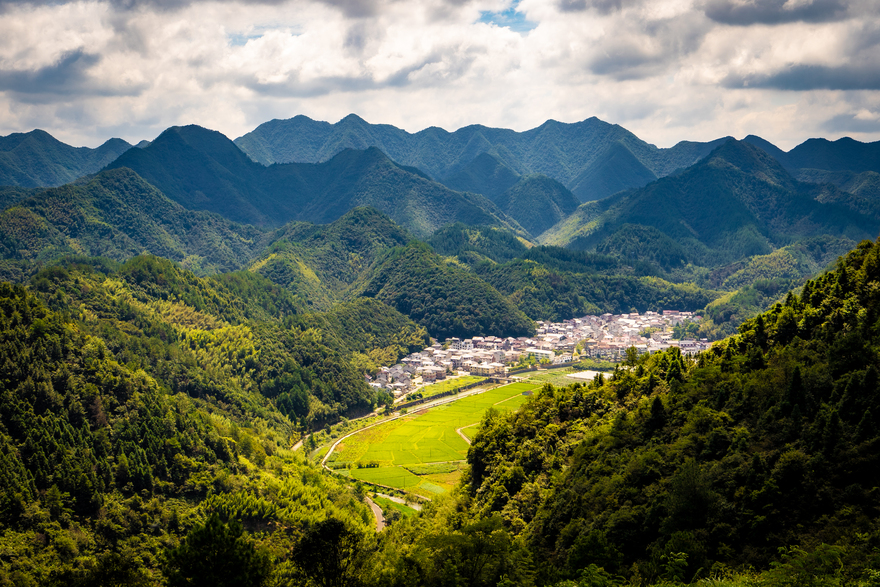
377	513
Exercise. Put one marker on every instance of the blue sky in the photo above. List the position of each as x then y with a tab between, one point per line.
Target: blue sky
668	70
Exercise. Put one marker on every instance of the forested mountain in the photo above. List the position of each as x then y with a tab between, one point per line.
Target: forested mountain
592	158
203	170
37	159
545	293
486	175
537	202
444	298
117	215
318	263
736	203
127	419
755	457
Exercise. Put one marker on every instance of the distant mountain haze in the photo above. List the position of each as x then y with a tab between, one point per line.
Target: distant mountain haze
203	170
737	202
37	159
572	154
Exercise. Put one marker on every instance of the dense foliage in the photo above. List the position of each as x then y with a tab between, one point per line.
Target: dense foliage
118	215
203	170
233	341
592	158
760	453
36	159
446	299
102	470
474	243
546	294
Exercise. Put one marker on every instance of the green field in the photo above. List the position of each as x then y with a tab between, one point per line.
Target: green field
426	436
387	506
448	385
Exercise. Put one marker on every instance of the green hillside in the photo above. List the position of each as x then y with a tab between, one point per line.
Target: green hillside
132	413
737	203
117	215
318	263
444	298
751	464
486	175
471	244
203	170
37	159
572	154
543	293
537	202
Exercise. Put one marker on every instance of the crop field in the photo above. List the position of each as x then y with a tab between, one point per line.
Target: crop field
387	506
448	385
414	442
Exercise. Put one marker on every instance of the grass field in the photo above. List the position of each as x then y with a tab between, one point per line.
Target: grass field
448	385
387	506
425	437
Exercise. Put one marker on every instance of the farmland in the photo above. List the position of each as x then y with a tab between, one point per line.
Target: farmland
448	385
420	452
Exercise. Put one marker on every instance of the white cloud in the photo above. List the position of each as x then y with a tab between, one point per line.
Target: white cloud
667	70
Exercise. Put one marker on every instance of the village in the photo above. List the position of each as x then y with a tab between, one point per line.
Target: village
604	337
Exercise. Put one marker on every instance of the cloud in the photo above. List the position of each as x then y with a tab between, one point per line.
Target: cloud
646	49
811	77
600	6
68	75
774	12
852	123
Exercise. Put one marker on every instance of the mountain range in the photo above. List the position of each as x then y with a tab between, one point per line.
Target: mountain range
280	202
37	159
591	158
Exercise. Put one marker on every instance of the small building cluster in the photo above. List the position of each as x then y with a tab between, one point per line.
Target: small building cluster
606	337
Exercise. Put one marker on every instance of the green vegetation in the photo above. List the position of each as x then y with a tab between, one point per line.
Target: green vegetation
420	452
537	202
592	158
37	159
475	243
203	170
449	385
104	468
118	215
445	299
546	294
388	506
749	464
224	339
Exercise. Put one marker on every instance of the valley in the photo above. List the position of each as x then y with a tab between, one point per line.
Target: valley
583	359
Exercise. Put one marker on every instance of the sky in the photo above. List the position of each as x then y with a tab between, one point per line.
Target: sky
667	70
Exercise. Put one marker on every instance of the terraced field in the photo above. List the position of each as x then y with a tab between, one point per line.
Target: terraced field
390	453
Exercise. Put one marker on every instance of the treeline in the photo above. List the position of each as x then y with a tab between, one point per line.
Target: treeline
547	294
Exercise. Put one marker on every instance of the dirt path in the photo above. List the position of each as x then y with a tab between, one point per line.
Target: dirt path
377	513
460	433
299	443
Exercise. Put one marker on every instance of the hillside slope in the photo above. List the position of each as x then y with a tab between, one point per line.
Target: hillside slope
736	203
564	152
37	159
117	215
203	170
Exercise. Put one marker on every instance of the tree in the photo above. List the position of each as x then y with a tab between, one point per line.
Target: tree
329	554
217	554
